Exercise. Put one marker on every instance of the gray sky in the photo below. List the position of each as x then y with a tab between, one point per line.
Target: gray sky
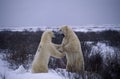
58	12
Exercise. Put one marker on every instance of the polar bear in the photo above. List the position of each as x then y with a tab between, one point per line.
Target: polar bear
72	48
45	49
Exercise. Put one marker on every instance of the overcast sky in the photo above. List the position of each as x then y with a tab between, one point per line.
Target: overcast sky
58	12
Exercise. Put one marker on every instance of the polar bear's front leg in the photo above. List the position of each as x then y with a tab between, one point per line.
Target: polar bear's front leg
59	47
55	53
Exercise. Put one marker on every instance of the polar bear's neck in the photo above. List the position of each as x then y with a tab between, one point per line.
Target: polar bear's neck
70	36
70	33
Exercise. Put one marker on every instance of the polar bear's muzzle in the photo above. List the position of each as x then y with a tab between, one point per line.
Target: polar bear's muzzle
61	33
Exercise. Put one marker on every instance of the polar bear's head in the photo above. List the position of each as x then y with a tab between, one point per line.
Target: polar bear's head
66	30
51	34
47	36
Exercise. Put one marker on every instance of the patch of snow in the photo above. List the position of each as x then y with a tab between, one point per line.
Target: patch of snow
89	42
29	75
81	28
3	67
3	64
21	73
20	70
103	49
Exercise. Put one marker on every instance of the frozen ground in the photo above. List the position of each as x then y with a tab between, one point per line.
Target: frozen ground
22	73
29	75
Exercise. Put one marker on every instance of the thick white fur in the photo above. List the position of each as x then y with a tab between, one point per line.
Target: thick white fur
45	49
72	48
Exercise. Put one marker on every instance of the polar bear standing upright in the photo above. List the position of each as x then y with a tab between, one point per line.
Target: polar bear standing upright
72	48
45	49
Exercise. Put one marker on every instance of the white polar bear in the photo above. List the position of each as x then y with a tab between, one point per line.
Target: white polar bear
45	49
72	48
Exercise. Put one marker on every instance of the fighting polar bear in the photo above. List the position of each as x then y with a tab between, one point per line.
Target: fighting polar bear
72	48
45	49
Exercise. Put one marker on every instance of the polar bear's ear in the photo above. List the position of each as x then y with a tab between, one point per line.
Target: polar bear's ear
64	29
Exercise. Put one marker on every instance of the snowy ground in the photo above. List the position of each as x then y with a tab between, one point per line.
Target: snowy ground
22	73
